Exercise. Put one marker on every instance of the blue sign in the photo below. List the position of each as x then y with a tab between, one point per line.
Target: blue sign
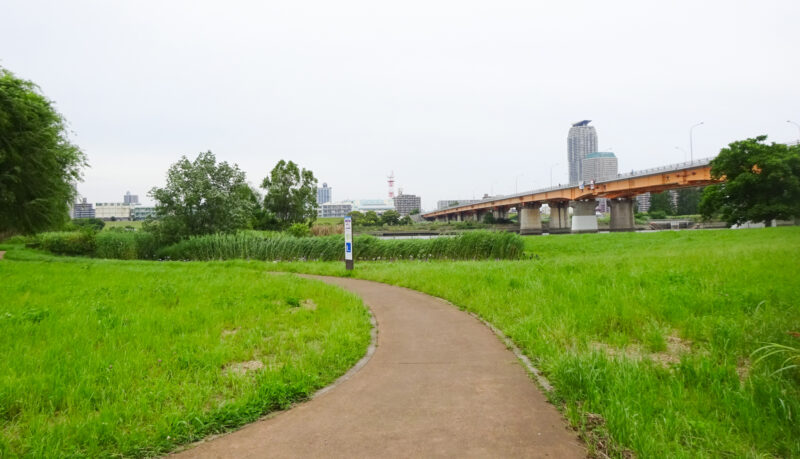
348	247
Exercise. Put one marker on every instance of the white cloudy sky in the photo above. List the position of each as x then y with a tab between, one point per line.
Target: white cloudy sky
458	98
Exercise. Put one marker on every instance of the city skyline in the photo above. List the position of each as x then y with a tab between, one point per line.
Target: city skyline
474	101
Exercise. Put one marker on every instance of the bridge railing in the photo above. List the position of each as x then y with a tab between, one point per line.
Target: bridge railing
631	174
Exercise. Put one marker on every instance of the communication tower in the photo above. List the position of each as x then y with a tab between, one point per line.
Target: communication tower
391	185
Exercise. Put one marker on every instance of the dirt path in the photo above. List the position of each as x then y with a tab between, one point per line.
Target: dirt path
440	383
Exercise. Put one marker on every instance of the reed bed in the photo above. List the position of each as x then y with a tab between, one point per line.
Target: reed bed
478	245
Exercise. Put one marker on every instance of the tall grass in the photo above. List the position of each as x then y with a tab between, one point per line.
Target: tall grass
467	246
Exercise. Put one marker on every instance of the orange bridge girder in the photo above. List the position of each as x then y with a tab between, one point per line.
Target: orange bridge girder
699	175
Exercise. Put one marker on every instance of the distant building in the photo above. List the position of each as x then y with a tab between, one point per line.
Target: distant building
379	206
581	141
83	209
407	203
324	194
334	209
130	199
142	213
643	201
454	202
599	166
113	211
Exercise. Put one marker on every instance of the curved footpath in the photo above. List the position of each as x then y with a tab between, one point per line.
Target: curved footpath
440	383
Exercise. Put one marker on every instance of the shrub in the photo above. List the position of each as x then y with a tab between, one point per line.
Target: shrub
116	244
68	242
94	224
126	245
658	214
299	230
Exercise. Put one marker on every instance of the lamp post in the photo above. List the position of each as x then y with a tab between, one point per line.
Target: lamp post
798	128
551	173
691	141
516	190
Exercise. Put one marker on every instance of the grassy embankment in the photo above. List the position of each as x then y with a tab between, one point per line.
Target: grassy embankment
646	337
110	358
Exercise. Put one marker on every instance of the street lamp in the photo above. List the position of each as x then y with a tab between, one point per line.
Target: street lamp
798	127
516	190
691	142
551	173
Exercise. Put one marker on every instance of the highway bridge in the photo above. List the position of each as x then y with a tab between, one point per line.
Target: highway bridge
621	192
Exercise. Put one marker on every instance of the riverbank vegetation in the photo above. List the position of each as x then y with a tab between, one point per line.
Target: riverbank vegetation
106	358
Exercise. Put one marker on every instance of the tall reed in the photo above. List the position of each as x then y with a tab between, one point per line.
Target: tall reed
468	246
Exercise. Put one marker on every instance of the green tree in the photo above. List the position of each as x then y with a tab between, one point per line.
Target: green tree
762	182
291	194
371	219
390	217
488	218
356	216
38	163
406	221
661	202
202	197
688	201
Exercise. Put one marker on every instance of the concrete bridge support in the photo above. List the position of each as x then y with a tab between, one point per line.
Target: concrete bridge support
621	214
559	217
530	220
584	219
500	213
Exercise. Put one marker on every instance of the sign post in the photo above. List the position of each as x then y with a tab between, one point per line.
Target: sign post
348	243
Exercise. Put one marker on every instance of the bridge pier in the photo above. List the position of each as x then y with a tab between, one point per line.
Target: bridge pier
622	214
500	213
559	217
584	219
530	220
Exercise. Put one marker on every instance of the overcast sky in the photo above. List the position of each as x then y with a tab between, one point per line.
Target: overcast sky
457	98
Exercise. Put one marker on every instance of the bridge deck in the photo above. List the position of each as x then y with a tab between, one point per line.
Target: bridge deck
695	173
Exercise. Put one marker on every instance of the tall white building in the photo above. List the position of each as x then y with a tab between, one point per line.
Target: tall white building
599	166
581	141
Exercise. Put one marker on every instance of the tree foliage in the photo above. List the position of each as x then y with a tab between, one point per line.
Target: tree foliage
688	201
661	202
762	182
38	163
390	217
291	195
202	197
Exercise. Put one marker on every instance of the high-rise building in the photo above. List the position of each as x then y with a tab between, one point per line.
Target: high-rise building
581	141
324	194
407	203
599	166
83	209
130	199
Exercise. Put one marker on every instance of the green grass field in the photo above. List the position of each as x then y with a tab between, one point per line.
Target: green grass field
106	358
120	224
646	337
